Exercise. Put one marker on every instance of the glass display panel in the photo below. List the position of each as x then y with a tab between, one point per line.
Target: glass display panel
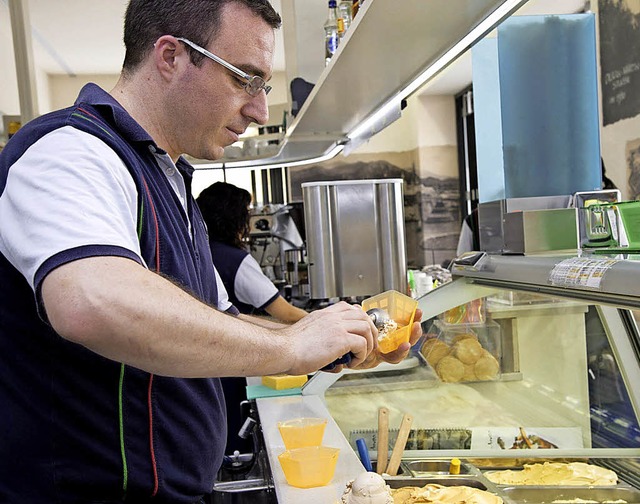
506	375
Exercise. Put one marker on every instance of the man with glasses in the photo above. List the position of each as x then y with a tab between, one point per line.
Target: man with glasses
112	323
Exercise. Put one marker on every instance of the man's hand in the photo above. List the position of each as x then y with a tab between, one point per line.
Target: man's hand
376	357
325	335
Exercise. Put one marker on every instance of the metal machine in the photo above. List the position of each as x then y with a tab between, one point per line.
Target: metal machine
355	236
277	246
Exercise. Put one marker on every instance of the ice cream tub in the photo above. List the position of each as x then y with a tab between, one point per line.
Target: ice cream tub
424	468
447	481
555	474
564	494
443	491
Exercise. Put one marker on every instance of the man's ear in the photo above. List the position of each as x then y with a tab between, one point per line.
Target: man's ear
168	56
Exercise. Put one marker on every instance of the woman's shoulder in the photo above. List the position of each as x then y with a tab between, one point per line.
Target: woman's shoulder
229	255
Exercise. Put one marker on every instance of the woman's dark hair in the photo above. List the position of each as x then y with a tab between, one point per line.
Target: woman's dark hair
607	183
225	209
197	20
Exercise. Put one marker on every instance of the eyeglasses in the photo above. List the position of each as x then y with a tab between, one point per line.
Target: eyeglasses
254	83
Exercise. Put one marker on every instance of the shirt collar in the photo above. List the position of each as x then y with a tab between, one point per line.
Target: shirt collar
122	120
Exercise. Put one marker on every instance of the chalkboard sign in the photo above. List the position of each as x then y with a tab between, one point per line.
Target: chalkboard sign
619	22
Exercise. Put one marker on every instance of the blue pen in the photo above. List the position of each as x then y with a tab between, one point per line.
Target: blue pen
364	454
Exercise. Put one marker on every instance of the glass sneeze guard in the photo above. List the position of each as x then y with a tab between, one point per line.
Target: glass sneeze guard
511	370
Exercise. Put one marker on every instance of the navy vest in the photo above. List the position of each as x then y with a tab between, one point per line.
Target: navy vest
227	260
77	427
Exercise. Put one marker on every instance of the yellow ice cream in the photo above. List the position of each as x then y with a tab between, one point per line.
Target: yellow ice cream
556	473
438	494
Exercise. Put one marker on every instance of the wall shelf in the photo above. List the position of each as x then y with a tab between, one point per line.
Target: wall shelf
388	46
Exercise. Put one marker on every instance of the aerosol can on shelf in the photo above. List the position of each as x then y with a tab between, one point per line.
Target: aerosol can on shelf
345	8
331	35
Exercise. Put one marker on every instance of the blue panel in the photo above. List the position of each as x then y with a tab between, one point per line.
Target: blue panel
548	84
488	120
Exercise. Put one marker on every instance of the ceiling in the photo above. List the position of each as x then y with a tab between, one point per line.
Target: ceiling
77	37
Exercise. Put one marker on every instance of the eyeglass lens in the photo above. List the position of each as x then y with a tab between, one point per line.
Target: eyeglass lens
256	84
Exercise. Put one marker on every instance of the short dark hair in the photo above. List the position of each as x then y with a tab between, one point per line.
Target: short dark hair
225	209
197	20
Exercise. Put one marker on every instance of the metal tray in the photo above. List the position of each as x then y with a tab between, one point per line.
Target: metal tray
397	482
423	468
548	495
403	472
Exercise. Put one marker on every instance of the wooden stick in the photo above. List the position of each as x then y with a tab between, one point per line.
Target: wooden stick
398	448
383	440
525	438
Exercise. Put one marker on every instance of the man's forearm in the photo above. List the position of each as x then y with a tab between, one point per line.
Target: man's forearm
124	312
265	322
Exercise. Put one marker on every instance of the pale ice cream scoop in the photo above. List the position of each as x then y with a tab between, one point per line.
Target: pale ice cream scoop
438	494
368	488
556	473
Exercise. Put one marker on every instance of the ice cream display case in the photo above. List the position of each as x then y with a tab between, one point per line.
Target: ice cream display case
525	361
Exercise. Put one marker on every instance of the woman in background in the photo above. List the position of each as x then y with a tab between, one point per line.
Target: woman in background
225	209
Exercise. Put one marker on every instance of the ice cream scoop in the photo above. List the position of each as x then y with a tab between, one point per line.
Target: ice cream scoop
380	319
367	488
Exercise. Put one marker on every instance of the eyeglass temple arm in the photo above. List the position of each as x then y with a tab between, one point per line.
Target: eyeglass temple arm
215	58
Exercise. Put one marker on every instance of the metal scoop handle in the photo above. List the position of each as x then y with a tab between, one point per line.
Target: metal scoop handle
345	359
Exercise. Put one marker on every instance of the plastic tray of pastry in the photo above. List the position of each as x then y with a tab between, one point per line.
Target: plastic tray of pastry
463	352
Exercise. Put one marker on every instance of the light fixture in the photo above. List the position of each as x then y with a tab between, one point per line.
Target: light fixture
240	164
382	114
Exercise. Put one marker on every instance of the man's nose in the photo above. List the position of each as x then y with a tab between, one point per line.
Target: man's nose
257	109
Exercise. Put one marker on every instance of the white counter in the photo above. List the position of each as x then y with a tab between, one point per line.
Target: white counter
277	409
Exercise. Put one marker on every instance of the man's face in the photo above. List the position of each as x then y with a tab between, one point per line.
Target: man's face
210	106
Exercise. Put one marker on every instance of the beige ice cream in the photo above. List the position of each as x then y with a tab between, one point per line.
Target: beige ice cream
388	327
438	494
556	473
368	488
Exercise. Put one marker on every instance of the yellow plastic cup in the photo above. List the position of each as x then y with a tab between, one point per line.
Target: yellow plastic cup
301	432
308	467
400	308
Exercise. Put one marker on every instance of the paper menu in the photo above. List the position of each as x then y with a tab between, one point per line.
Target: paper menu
511	438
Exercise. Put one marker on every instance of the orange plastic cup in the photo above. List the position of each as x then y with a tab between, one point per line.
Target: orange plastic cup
301	432
400	308
309	467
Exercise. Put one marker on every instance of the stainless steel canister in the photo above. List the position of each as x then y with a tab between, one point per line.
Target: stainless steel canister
355	237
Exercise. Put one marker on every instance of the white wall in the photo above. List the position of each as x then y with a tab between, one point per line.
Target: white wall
428	123
63	89
614	137
9	99
308	30
614	150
